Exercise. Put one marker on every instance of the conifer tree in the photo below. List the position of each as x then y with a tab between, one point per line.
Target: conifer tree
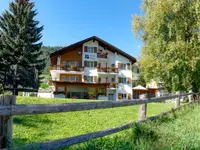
20	36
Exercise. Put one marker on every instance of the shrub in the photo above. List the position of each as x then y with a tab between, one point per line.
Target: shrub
44	86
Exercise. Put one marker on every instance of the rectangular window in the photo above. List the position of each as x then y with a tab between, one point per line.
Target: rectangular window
122	96
60	89
90	79
70	63
91	50
70	78
123	66
123	80
90	63
112	79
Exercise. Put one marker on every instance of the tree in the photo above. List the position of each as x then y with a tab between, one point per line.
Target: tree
20	36
170	32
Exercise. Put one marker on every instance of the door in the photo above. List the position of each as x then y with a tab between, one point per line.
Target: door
110	96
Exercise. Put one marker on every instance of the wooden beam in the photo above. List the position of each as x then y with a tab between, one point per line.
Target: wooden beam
70	107
61	143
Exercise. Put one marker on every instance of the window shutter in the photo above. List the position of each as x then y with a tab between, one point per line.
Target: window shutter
95	64
85	63
128	66
129	96
128	80
85	49
85	78
95	79
95	49
119	65
119	80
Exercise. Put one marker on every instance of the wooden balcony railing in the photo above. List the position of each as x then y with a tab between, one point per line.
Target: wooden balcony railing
112	85
102	55
67	68
107	70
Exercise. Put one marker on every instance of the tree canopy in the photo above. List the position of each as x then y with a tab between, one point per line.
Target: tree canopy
169	30
20	36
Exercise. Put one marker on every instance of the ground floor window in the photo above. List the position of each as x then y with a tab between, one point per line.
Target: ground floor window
122	96
85	93
60	89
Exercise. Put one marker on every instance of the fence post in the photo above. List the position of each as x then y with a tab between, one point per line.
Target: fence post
177	102
6	123
190	96
142	108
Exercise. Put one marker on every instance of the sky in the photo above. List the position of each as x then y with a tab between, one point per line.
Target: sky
69	21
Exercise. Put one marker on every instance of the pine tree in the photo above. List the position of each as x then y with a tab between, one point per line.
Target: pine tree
20	36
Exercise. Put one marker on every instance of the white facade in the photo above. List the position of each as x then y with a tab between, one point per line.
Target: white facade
112	60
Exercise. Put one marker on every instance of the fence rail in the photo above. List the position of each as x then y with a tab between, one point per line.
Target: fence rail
7	110
10	110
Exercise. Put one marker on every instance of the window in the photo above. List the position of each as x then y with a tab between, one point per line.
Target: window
123	80
70	78
70	63
60	89
90	63
90	78
112	79
90	49
122	96
123	66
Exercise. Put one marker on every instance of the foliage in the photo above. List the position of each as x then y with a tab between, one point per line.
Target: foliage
20	38
176	131
170	32
47	50
44	86
38	128
140	80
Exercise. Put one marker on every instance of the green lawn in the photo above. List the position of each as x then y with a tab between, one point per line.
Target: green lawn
38	128
177	131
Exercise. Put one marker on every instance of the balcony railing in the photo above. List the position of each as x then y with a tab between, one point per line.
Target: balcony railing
107	70
112	85
67	68
102	55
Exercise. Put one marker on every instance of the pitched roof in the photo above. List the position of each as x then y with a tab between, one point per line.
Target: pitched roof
101	42
139	87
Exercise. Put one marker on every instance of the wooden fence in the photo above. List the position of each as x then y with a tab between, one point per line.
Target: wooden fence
8	108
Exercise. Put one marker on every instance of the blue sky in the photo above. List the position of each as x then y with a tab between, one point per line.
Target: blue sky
69	21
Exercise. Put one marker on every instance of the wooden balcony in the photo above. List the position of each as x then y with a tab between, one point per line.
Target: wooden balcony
102	55
107	70
112	85
67	68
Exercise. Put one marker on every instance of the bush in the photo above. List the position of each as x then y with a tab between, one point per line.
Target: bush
44	86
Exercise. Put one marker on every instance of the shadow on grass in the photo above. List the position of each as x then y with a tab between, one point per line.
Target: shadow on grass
31	120
19	141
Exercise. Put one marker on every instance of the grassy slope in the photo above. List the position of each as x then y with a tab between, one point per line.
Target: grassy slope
38	128
174	132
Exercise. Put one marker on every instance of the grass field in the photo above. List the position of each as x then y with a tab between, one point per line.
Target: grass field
38	128
178	131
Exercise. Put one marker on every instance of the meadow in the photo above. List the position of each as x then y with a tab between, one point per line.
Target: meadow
177	131
44	127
